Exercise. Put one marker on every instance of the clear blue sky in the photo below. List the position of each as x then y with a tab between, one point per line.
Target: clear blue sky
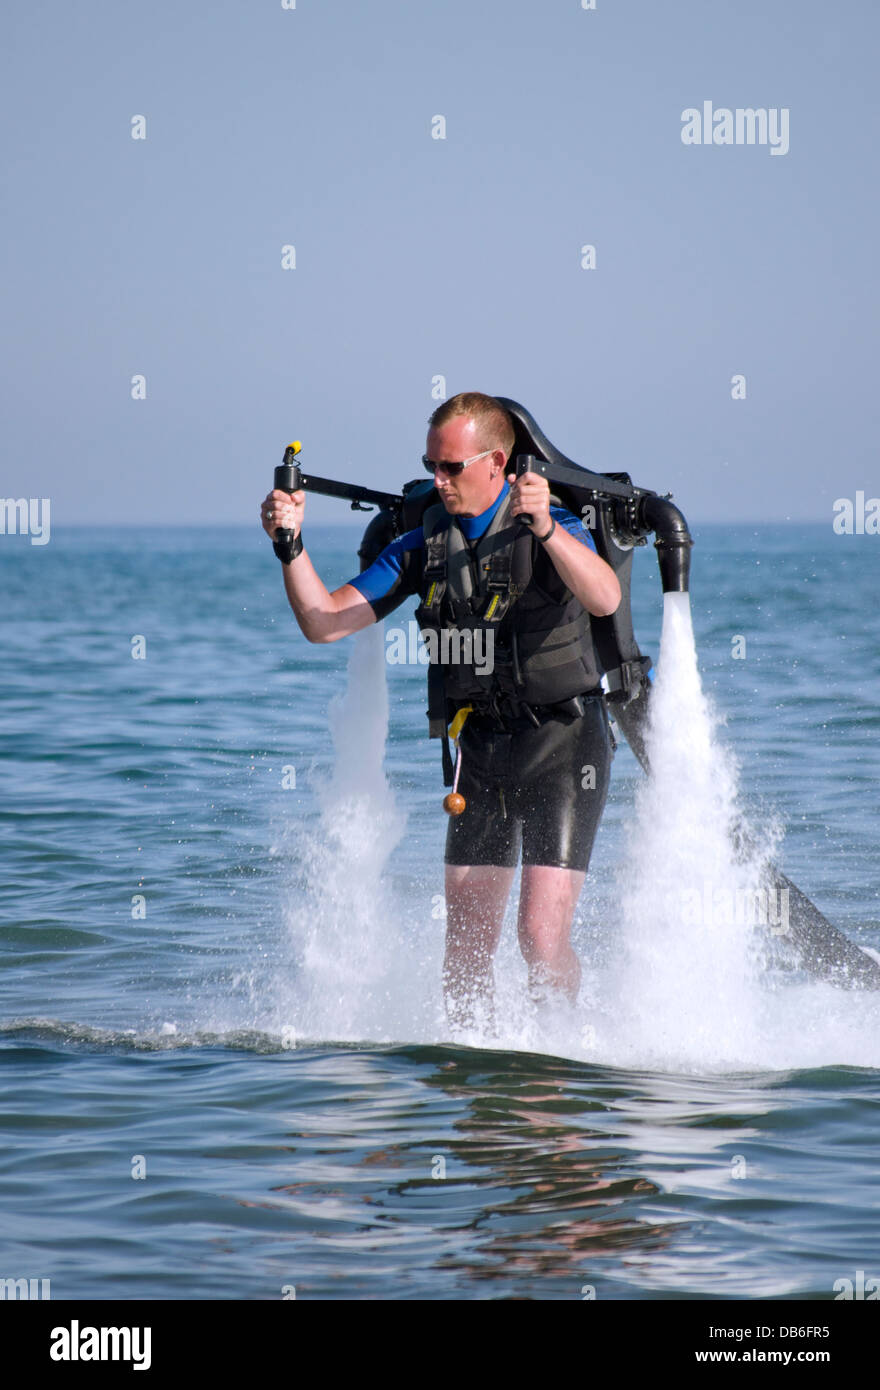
418	257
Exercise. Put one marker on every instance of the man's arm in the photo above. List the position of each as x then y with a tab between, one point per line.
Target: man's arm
590	578
322	616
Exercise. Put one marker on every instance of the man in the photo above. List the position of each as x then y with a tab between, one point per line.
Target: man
535	750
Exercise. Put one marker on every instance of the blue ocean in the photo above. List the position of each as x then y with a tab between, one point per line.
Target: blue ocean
226	1068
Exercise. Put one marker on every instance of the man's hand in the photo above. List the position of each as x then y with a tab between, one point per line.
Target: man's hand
282	511
530	494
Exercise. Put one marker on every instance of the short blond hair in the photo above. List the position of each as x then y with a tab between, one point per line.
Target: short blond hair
493	423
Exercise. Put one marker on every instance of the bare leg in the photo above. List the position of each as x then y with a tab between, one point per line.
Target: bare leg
548	897
476	897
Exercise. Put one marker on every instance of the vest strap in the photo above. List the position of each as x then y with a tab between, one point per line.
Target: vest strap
501	592
627	678
435	571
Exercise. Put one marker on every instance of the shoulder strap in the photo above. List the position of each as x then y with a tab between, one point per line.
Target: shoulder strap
436	542
508	568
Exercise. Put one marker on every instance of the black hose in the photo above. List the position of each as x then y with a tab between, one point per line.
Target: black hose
673	543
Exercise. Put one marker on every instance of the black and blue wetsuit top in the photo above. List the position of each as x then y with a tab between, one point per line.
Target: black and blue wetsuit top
391	578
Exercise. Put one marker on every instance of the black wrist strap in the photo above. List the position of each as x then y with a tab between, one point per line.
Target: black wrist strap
542	539
288	550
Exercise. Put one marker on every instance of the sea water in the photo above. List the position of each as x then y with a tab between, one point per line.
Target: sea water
226	1063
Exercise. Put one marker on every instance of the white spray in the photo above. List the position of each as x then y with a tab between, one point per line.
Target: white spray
693	991
683	988
355	974
689	986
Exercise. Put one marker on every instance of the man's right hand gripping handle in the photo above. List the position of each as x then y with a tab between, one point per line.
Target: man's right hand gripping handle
282	511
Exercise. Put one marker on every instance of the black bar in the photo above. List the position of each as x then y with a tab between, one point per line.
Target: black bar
585	480
352	492
204	1339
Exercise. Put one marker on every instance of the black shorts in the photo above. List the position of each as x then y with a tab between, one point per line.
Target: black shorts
544	788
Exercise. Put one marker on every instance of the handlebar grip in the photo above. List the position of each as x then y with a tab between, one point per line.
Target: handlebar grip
287	479
524	465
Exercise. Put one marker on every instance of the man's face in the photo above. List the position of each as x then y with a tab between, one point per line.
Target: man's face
476	488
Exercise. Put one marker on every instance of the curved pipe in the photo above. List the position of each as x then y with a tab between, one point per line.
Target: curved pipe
673	541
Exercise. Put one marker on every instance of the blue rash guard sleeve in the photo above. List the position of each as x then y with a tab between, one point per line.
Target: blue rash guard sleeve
562	517
386	583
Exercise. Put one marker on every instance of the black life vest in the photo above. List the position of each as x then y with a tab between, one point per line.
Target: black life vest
541	646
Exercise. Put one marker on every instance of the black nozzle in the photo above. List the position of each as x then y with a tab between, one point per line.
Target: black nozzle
673	541
287	475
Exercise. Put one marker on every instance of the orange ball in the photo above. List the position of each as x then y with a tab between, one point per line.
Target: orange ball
454	804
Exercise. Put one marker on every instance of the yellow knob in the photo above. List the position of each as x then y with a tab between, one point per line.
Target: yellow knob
295	446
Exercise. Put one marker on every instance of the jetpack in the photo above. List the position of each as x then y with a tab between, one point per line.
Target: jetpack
620	517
